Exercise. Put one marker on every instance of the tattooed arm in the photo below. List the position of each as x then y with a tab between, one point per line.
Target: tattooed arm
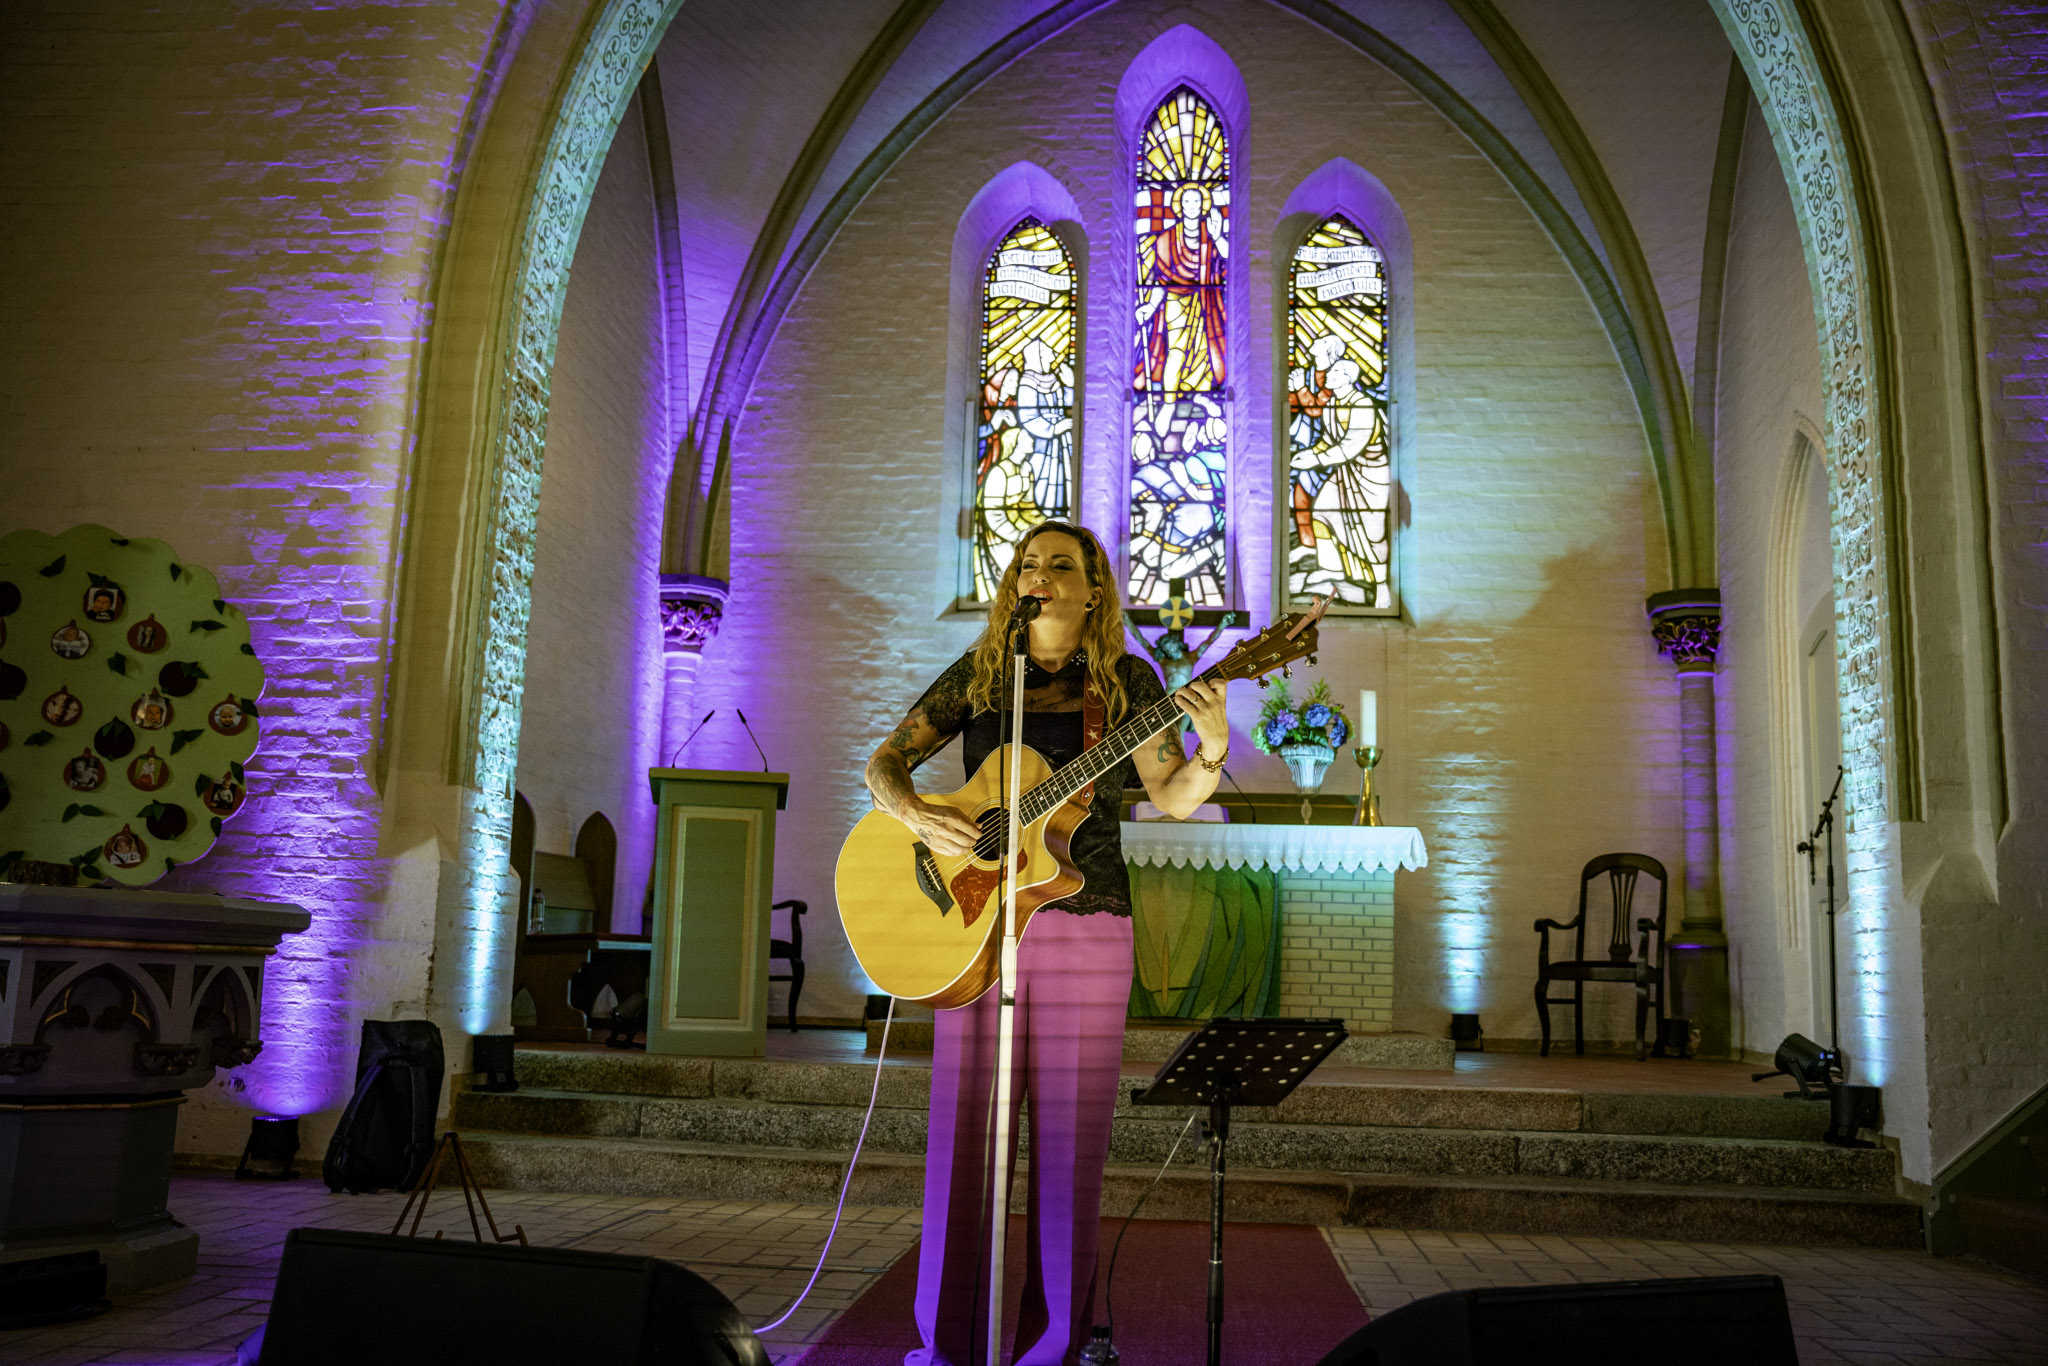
888	777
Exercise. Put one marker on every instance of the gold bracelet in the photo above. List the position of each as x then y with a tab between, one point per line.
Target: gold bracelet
1206	764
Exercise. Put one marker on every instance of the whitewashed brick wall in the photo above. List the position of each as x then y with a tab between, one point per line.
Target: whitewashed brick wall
1337	948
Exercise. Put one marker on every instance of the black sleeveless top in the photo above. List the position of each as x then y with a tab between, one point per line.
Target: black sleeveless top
1052	726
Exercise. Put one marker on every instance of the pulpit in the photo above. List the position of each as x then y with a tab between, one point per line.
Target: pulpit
714	874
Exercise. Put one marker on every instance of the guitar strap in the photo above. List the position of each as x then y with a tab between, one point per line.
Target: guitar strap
1094	724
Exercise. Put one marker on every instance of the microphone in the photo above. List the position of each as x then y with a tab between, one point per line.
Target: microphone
1028	608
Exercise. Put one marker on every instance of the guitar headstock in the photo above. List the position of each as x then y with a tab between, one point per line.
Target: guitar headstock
1286	640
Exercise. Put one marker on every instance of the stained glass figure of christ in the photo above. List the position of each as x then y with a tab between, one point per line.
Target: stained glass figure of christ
1180	431
1337	419
1024	452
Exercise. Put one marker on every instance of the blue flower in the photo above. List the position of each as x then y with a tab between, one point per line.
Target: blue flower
1277	728
1317	715
1338	731
1286	721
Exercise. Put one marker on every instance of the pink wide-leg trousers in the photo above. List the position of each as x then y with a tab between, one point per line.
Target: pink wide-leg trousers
1074	985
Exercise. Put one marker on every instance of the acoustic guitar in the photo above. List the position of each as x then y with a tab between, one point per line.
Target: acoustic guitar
926	927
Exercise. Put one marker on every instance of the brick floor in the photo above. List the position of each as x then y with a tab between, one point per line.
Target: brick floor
1848	1305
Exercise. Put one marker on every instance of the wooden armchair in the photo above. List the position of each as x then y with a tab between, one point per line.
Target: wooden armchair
1641	964
792	951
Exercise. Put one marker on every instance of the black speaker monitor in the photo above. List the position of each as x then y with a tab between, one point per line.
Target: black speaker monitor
1693	1321
349	1298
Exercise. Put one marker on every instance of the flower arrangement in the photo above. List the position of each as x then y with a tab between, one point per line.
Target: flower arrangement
1316	720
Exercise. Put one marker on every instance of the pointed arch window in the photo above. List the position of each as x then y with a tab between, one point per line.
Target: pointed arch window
1340	483
1180	426
1024	452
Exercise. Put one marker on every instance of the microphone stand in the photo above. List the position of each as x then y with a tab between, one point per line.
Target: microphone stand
1006	977
1823	835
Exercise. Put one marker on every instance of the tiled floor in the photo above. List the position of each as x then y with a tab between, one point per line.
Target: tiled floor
1847	1304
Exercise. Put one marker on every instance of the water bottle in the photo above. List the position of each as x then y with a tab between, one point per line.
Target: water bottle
1099	1351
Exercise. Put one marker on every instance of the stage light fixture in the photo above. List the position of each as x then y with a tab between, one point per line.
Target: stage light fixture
272	1147
1467	1035
1853	1109
491	1055
1812	1068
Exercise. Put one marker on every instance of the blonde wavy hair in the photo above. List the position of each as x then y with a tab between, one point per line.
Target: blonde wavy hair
1102	634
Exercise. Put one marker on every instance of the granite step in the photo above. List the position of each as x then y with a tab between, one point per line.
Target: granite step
1157	1042
1519	1204
1143	1135
1316	1102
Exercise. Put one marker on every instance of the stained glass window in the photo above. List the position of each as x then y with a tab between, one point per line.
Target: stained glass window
1024	452
1180	430
1337	419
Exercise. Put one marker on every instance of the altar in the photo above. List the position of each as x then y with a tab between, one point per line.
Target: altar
1334	898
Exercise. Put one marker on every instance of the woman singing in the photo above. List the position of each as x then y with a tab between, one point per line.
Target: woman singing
1074	961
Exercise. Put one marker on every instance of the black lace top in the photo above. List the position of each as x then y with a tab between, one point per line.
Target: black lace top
1052	726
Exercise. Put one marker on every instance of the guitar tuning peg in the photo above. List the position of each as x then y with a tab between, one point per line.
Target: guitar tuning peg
1287	671
1311	661
1265	682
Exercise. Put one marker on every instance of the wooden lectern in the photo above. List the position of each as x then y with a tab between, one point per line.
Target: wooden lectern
714	877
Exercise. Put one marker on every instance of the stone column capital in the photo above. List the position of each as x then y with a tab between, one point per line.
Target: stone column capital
691	608
1687	625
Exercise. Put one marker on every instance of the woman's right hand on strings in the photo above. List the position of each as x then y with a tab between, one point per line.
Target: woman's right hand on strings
944	829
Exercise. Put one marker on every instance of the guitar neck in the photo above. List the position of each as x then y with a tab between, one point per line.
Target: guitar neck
1099	758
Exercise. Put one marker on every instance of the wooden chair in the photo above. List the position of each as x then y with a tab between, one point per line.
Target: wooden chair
1643	965
791	949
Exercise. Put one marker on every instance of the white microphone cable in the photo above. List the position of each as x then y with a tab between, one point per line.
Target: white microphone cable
874	1094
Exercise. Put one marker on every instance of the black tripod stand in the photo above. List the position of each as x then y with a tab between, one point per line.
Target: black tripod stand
1236	1062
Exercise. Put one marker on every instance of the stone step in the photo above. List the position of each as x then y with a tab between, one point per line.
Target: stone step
1516	1109
1143	1135
1524	1204
1156	1043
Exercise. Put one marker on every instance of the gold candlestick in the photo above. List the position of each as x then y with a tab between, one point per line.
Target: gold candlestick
1368	757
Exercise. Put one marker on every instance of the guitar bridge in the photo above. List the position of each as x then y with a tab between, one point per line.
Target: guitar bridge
928	880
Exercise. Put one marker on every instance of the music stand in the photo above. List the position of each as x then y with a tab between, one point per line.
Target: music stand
1236	1062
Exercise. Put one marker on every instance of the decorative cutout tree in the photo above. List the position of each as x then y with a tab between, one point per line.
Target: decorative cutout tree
128	705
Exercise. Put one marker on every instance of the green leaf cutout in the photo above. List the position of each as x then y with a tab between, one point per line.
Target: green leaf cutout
249	709
248	649
220	605
92	871
53	568
150	812
82	809
169	863
216	827
182	738
209	626
41	737
200	784
118	663
177	570
118	540
101	580
235	767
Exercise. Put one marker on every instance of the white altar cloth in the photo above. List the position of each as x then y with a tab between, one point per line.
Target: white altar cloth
1300	848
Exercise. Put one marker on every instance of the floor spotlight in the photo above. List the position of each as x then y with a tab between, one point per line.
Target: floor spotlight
491	1055
1467	1035
272	1146
1812	1068
1853	1109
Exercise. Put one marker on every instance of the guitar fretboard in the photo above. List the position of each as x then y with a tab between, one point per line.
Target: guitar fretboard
1099	758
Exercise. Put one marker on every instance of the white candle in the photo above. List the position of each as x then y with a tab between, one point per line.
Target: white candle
1368	717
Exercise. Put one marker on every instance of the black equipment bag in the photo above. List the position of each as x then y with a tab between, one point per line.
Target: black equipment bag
387	1133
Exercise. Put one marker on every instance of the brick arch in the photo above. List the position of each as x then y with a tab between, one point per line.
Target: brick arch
1778	56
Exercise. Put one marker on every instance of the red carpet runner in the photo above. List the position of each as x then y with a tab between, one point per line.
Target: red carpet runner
1286	1302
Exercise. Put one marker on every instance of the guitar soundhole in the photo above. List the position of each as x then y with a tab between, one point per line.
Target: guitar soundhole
994	824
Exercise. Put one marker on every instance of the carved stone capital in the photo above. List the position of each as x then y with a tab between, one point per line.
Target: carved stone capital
21	1059
235	1052
691	608
165	1059
1687	625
